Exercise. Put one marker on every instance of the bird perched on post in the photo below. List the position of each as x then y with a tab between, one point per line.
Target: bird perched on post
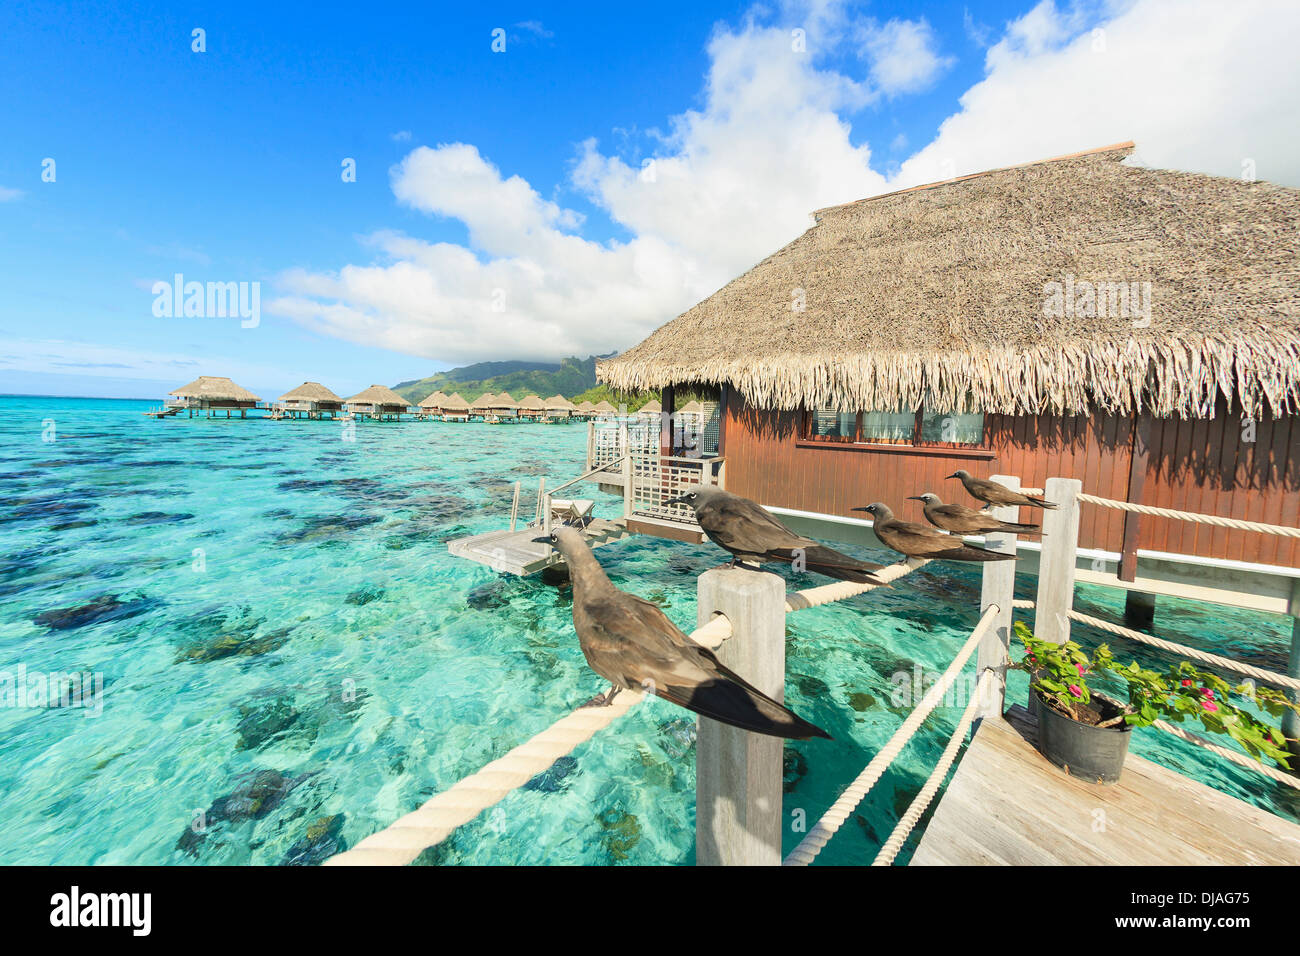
990	492
962	520
751	533
918	541
633	645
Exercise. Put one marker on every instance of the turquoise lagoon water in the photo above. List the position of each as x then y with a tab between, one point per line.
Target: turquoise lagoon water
291	657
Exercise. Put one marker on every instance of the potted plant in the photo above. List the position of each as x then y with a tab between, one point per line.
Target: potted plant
1088	735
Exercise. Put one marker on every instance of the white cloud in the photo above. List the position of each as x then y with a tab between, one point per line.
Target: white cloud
902	55
401	136
1199	85
8	195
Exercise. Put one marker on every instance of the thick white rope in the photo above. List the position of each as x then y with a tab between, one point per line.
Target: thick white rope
1215	520
407	837
404	839
1281	776
922	800
834	818
1227	663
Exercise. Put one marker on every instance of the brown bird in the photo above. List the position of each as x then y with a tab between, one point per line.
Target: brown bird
962	520
633	645
992	493
918	541
751	533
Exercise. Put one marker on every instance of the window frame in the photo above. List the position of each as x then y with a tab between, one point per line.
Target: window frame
807	436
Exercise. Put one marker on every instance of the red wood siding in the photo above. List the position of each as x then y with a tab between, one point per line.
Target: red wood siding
1200	466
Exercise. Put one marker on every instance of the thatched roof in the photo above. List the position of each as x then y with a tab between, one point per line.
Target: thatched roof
503	401
651	407
560	402
483	401
378	395
215	389
454	403
691	408
434	401
586	408
605	408
940	294
532	404
310	392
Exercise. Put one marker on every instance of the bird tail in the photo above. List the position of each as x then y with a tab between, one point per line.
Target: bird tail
1018	528
1041	503
970	552
831	563
732	700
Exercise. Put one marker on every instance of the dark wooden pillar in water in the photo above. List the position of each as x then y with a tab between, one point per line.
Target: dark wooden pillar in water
1137	474
1139	610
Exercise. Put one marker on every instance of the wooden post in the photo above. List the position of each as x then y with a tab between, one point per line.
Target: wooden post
628	472
1139	458
998	587
738	775
1057	561
591	440
667	411
1291	721
514	508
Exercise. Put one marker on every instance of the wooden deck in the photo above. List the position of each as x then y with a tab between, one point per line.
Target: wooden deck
1006	805
515	552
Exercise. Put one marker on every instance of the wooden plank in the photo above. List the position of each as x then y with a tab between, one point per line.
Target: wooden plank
1137	476
1007	804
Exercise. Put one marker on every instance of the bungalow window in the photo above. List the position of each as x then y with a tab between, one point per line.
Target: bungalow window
924	427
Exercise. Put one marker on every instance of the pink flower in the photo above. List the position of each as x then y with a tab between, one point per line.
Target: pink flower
1207	692
1209	705
1080	666
1074	689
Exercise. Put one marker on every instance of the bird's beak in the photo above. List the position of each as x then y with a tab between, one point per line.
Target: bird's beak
915	498
859	509
544	539
681	500
954	475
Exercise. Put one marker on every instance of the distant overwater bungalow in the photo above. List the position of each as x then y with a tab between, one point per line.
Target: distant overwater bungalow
431	407
308	400
560	408
378	402
210	395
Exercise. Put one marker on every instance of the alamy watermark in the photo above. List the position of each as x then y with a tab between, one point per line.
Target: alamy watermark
1082	299
208	300
52	690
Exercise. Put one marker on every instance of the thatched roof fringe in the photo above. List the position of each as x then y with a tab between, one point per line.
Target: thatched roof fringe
1262	371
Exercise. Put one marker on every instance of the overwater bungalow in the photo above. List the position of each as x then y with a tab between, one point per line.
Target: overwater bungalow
1132	328
586	409
308	400
559	407
454	408
531	408
481	407
378	402
650	410
503	407
431	407
604	410
210	394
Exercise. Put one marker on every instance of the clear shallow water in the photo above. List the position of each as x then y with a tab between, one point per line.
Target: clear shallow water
327	666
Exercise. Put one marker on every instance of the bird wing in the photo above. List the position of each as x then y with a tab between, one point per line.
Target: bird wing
740	525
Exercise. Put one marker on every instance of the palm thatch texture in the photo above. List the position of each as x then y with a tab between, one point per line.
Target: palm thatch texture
651	409
215	390
483	402
557	406
454	403
377	400
1064	286
604	408
434	402
312	393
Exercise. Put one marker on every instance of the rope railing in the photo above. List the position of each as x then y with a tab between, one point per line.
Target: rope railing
1214	520
921	802
1227	663
830	822
407	837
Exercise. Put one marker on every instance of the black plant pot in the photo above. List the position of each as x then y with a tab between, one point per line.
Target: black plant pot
1091	753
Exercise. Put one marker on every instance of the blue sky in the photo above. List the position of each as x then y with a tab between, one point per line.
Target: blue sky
501	207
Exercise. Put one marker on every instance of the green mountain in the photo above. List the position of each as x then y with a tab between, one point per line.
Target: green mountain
570	377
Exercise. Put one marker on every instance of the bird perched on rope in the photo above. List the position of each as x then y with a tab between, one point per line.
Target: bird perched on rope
991	493
918	541
752	534
963	520
633	645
